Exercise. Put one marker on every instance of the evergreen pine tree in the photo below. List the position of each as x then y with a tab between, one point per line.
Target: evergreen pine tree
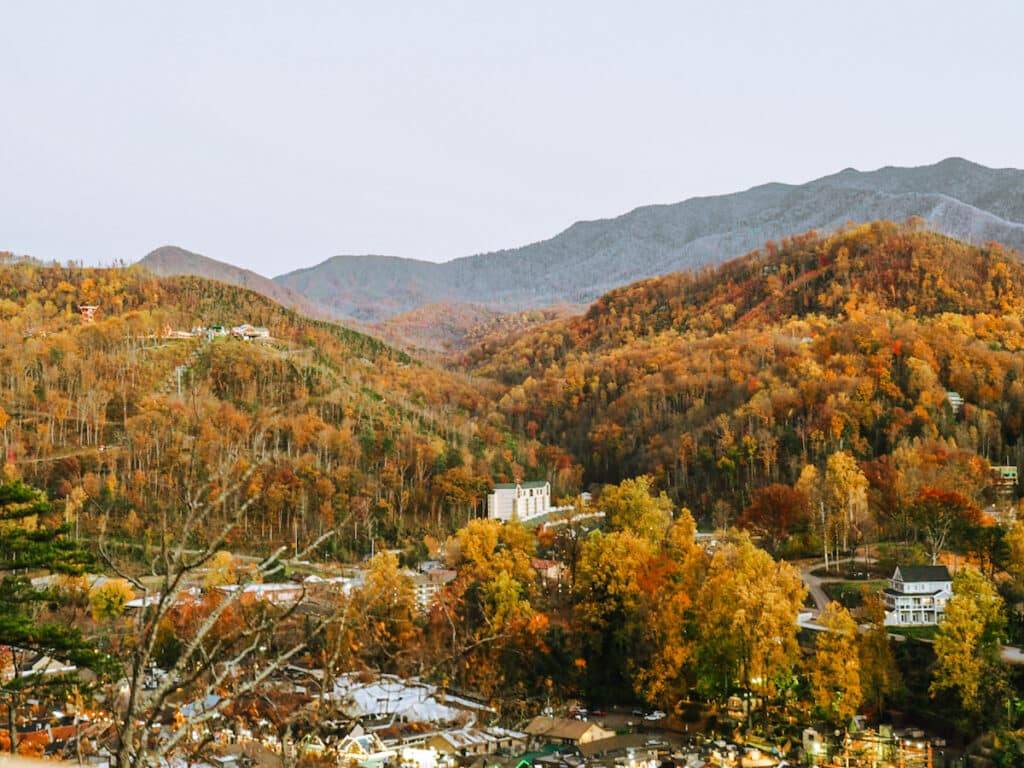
30	544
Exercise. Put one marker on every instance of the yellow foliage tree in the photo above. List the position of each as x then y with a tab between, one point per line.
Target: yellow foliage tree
879	675
967	645
672	581
222	571
631	506
835	671
846	489
747	609
108	600
1015	561
485	548
386	611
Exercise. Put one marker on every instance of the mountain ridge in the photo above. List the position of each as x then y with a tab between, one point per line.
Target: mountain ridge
174	261
955	197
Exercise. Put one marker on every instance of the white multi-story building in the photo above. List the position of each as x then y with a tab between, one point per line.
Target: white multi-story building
917	595
427	585
521	501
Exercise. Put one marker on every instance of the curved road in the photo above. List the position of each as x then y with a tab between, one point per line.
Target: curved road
813	583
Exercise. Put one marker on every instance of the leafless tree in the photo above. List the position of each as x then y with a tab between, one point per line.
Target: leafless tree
208	665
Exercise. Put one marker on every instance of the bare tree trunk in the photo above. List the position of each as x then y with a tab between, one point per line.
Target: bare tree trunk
824	532
208	663
12	725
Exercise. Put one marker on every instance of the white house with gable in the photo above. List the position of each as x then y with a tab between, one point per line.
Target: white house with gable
917	595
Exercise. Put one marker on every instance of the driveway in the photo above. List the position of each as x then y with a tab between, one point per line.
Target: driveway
813	583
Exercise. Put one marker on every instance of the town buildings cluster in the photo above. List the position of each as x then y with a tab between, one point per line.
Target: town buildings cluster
368	720
245	332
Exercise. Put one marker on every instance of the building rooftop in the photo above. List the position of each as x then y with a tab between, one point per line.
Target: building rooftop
523	484
914	573
468	736
262	588
559	727
614	744
440	576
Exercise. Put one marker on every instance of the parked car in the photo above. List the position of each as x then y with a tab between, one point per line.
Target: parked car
655	716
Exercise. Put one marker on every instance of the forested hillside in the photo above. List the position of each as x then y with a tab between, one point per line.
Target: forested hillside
450	328
720	382
171	261
320	420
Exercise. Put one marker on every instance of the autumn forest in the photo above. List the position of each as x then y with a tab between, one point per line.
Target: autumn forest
828	397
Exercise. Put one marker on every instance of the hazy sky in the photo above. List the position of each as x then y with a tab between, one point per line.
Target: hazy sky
276	134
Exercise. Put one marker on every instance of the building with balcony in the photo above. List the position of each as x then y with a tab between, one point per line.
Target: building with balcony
917	595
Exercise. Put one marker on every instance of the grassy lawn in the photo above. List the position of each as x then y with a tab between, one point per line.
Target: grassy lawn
856	571
851	593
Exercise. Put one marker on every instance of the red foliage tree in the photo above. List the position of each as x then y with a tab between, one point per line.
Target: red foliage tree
775	511
943	515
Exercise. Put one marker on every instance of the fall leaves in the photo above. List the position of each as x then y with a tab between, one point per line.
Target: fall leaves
651	615
342	430
845	343
659	612
747	610
108	599
836	672
968	644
